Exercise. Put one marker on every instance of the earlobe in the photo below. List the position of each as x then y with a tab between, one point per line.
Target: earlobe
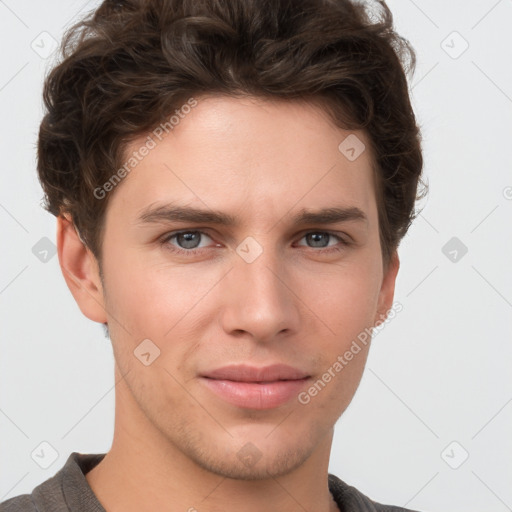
387	290
80	270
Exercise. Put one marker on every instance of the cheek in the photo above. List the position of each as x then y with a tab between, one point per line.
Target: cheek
151	298
156	300
345	300
332	390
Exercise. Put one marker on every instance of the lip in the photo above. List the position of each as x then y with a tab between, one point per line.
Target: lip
247	373
255	388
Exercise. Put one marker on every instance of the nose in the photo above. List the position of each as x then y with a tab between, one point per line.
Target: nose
259	300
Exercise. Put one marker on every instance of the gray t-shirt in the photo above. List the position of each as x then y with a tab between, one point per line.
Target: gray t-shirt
68	490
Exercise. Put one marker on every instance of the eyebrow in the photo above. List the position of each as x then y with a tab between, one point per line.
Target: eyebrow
170	213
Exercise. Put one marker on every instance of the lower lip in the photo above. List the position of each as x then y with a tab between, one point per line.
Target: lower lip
252	395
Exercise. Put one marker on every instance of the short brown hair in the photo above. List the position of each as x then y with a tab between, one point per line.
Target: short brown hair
130	63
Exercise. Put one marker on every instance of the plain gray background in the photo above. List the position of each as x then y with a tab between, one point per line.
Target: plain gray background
438	385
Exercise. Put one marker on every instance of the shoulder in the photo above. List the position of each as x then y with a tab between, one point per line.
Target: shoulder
21	503
47	496
64	491
349	499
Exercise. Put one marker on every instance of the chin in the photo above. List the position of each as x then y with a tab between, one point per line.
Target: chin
261	467
256	455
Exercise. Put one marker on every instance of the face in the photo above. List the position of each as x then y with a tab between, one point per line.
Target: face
273	286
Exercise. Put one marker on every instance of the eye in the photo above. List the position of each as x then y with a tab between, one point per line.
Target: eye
320	239
188	241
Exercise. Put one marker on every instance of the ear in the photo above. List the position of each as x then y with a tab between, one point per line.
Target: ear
80	270
387	290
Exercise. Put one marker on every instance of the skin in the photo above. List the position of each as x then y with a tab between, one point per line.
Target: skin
176	443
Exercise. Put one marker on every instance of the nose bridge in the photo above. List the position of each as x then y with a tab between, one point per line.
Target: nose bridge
261	278
258	301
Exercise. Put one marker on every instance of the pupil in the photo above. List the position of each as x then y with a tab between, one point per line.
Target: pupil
187	239
317	237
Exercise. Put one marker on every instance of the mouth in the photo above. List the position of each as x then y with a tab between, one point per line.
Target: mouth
255	388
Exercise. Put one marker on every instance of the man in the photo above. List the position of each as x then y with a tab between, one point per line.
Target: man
231	181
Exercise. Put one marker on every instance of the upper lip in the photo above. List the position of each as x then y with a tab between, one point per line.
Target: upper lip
247	373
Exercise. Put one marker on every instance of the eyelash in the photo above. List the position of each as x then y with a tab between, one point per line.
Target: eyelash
193	252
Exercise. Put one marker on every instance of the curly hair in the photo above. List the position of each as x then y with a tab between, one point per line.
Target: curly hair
130	63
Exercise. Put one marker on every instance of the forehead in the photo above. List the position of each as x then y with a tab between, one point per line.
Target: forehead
252	155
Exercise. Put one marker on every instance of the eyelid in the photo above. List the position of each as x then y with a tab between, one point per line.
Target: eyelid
341	235
343	238
171	234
